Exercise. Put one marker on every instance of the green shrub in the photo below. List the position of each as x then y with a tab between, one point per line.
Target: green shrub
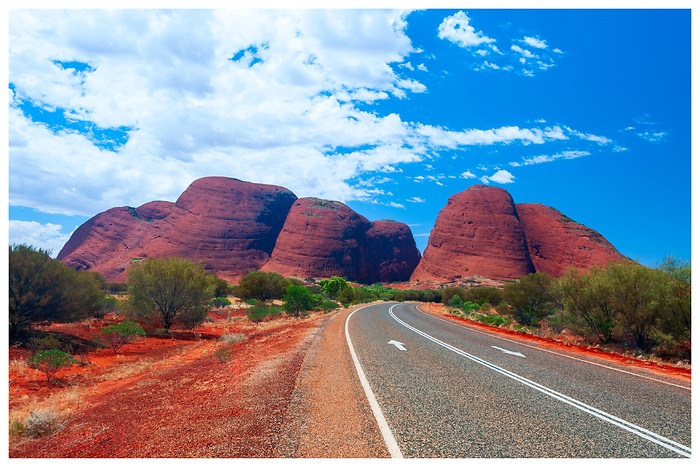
470	306
50	362
492	320
117	335
531	299
220	302
298	299
262	286
328	305
258	313
455	301
485	307
47	343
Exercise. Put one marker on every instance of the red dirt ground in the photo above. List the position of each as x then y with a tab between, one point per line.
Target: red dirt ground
166	397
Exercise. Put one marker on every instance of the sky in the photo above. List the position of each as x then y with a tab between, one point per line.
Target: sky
388	111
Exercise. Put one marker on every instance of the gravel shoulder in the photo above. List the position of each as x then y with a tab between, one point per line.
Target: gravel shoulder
329	416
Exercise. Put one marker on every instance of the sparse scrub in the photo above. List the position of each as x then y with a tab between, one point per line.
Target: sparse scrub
118	335
258	313
231	339
223	354
220	302
41	423
50	362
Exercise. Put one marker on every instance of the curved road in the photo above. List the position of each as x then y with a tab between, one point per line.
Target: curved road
447	390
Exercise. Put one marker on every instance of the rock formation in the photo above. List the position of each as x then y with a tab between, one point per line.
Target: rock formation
326	238
229	225
477	233
234	227
482	233
557	243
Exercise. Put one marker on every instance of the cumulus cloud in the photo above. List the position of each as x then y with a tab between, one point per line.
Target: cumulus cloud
501	176
416	199
456	29
468	174
46	236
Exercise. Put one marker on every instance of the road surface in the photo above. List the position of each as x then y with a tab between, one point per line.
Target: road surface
446	390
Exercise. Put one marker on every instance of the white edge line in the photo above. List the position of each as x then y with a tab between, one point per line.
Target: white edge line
492	334
388	436
624	424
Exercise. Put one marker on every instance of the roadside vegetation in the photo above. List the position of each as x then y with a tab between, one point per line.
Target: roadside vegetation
625	307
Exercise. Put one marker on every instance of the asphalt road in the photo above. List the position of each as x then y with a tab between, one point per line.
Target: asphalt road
457	392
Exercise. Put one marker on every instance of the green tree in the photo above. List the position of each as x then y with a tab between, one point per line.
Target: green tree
448	294
262	286
42	289
165	291
298	298
634	296
50	362
117	335
347	295
676	268
587	300
334	286
531	298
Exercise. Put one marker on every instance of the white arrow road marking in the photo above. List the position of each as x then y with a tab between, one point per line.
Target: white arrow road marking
398	345
509	351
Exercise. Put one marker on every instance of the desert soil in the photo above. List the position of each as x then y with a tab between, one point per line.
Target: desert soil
289	390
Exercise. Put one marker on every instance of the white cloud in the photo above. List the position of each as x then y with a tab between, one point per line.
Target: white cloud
524	52
501	176
45	236
416	199
558	51
397	205
534	42
468	174
422	67
546	158
456	29
653	136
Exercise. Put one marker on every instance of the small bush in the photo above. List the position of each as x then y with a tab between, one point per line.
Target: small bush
492	320
48	343
485	307
230	339
260	312
470	306
223	354
328	306
117	335
220	302
50	362
42	423
17	428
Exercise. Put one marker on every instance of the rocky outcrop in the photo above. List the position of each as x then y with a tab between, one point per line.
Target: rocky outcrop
477	233
229	225
557	243
482	234
234	227
326	238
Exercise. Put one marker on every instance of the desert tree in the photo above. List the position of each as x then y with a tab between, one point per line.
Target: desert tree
165	291
43	289
531	299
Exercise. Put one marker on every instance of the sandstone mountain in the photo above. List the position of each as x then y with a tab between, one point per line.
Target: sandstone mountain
483	233
234	227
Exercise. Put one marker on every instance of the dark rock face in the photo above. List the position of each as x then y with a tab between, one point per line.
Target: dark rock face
557	243
477	233
234	227
392	249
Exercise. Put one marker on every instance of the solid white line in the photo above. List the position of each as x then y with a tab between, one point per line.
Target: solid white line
388	436
557	353
632	428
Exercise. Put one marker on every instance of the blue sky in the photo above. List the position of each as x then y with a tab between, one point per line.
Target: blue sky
391	112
